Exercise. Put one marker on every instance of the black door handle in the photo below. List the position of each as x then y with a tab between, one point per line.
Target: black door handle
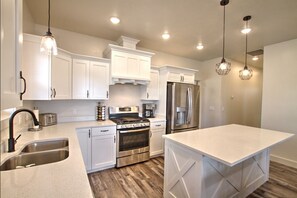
25	85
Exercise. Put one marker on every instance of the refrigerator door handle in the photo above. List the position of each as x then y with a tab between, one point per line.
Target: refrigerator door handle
190	105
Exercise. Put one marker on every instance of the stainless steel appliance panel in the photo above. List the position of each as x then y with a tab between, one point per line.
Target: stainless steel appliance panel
182	107
132	146
47	119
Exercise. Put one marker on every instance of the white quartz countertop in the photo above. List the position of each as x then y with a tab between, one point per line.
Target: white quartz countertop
157	119
67	178
229	144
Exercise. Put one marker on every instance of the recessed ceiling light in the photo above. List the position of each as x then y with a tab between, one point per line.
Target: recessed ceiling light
165	35
255	58
115	20
199	46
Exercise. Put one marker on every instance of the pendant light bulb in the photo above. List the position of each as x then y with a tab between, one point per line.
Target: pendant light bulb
223	68
246	73
48	42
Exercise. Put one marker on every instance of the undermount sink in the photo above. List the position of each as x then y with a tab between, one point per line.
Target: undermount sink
45	146
38	153
27	160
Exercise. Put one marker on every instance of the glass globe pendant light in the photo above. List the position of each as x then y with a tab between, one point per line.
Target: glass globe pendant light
246	73
224	67
48	42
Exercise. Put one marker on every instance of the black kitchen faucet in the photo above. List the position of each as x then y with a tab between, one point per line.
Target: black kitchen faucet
11	140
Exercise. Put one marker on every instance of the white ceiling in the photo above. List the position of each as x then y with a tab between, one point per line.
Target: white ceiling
188	22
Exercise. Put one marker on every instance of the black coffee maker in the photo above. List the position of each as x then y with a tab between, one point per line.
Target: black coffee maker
148	110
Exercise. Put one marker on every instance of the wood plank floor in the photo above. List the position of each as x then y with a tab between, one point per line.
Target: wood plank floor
145	180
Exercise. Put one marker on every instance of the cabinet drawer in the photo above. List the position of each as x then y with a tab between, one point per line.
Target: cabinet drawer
158	125
103	130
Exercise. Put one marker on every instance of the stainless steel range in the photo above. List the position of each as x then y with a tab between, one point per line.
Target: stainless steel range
133	135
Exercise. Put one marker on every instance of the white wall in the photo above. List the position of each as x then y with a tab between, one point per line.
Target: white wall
210	94
279	104
228	99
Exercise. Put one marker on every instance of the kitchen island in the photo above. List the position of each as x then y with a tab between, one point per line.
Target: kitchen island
66	178
224	161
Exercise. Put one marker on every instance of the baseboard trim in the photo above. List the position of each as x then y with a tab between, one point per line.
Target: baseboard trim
284	161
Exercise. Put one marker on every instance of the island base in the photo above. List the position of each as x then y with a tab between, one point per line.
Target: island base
190	174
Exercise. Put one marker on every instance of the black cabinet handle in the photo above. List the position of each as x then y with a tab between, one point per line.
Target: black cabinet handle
25	85
51	92
107	94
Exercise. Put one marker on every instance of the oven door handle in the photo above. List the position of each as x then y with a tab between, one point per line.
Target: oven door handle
136	130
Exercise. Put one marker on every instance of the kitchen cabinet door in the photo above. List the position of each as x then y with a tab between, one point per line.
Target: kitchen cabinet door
174	76
47	77
36	69
80	79
103	151
84	138
145	67
61	76
151	91
178	75
156	141
11	52
188	78
99	80
90	79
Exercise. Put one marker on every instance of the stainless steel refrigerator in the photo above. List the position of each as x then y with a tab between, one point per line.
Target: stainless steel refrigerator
182	107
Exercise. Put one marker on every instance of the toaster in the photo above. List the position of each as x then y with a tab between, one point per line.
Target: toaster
47	119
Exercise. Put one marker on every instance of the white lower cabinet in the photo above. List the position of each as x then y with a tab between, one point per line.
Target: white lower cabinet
98	147
103	147
84	138
158	128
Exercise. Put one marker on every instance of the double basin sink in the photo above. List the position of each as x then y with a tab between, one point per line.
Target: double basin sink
38	153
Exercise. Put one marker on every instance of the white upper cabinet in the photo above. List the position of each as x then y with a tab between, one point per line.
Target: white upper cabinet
47	77
61	69
129	65
11	52
178	74
80	80
90	79
151	90
99	80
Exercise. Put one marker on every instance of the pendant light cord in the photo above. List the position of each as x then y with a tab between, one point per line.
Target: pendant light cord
224	34
49	16
246	50
246	41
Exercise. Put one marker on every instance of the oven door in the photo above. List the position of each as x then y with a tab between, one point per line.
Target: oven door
133	141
